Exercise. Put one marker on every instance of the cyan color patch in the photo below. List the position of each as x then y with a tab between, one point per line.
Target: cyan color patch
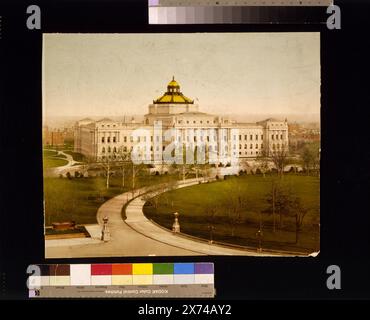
184	268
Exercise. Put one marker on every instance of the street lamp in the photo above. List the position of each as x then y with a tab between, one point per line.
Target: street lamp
105	235
211	228
176	224
259	235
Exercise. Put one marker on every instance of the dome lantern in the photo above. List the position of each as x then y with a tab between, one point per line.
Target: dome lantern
173	94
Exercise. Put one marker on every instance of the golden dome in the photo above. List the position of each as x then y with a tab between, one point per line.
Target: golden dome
173	84
173	94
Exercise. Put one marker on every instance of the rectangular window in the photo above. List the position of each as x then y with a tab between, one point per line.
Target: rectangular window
250	137
124	139
114	139
240	136
108	139
281	137
102	139
261	136
131	139
256	136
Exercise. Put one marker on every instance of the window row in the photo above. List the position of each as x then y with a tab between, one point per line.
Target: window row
276	137
245	136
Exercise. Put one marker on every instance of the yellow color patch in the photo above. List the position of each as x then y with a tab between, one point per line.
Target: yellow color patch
121	279
142	279
59	280
142	268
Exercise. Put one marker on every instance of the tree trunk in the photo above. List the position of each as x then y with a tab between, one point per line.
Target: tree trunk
273	207
296	229
133	177
123	177
108	175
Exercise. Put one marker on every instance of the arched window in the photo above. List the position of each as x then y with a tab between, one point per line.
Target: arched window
102	139
256	146
109	150
103	150
114	150
108	139
251	146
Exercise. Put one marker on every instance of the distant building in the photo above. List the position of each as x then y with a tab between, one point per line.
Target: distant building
175	111
56	137
52	137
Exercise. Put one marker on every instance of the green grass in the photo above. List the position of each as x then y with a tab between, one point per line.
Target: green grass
76	156
53	162
78	199
49	153
194	203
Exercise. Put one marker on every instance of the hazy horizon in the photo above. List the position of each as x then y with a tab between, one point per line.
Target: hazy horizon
225	73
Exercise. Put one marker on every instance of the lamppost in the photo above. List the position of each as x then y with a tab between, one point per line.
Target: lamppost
259	235
105	235
211	228
176	224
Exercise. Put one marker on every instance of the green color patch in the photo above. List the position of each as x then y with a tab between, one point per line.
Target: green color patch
163	268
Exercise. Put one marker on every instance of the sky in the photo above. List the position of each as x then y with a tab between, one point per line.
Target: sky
225	73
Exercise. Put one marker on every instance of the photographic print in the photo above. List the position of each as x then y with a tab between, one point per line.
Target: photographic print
181	144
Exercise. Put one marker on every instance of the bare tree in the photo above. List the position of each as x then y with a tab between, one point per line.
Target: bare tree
123	156
263	162
299	212
279	158
106	164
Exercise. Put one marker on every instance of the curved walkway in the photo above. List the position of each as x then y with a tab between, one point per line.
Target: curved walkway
136	219
70	166
136	236
124	240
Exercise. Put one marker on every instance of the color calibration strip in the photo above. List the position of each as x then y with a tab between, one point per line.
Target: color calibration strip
237	11
127	280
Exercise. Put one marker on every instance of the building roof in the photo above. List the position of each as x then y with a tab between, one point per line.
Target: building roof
105	120
173	95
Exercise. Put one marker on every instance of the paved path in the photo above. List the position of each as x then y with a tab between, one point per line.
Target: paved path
71	166
136	219
136	236
125	241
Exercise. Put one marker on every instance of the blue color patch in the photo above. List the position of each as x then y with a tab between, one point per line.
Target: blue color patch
183	268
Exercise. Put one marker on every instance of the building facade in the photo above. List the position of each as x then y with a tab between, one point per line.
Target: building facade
174	122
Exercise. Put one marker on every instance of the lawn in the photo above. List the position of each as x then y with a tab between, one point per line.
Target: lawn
49	153
50	162
78	199
76	156
206	205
